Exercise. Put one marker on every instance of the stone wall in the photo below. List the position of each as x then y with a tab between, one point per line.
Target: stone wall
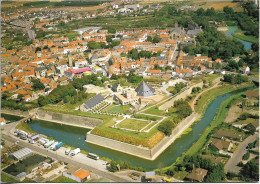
183	95
68	119
15	112
139	151
176	132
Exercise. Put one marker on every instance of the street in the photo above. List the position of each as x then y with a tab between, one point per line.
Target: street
80	160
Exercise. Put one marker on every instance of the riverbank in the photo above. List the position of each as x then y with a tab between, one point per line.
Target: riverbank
241	35
220	116
206	98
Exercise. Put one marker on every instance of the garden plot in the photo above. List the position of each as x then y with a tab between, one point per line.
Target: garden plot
133	124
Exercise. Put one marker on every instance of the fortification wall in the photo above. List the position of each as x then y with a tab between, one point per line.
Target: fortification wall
68	119
139	151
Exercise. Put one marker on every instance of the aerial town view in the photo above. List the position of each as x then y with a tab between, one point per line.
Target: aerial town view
129	91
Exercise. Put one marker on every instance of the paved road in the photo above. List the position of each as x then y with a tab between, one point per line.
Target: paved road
231	165
80	160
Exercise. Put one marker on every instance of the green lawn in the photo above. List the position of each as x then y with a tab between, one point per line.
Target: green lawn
180	175
154	110
25	127
240	34
133	124
63	179
118	109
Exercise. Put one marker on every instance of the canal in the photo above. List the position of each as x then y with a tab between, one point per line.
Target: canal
75	136
10	118
232	29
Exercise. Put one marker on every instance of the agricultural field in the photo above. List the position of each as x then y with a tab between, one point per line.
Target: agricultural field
133	124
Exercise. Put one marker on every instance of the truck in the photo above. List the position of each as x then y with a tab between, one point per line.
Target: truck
67	151
57	146
53	145
43	141
33	139
48	144
75	152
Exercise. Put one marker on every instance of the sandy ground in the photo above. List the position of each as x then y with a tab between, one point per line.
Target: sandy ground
233	113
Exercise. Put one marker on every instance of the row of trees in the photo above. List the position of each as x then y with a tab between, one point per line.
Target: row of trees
177	88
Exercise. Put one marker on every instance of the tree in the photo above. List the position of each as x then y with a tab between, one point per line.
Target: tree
216	175
156	39
166	127
149	39
255	47
251	170
228	10
113	167
112	30
37	85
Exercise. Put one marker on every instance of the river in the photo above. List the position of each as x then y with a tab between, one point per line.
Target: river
232	29
75	136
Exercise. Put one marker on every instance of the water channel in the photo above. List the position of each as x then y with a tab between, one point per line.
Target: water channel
232	29
10	118
75	136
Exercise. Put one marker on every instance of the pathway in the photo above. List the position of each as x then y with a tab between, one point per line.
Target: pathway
197	97
231	165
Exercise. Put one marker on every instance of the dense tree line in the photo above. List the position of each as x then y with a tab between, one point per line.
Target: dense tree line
13	104
235	79
250	171
57	95
215	44
90	79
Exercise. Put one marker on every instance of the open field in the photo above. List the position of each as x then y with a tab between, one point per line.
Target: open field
220	5
240	34
133	124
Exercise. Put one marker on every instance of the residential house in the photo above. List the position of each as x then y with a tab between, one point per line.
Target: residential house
117	88
197	175
221	144
245	70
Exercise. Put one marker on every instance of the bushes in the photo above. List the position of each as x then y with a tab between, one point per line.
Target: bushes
246	156
196	89
178	87
140	116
